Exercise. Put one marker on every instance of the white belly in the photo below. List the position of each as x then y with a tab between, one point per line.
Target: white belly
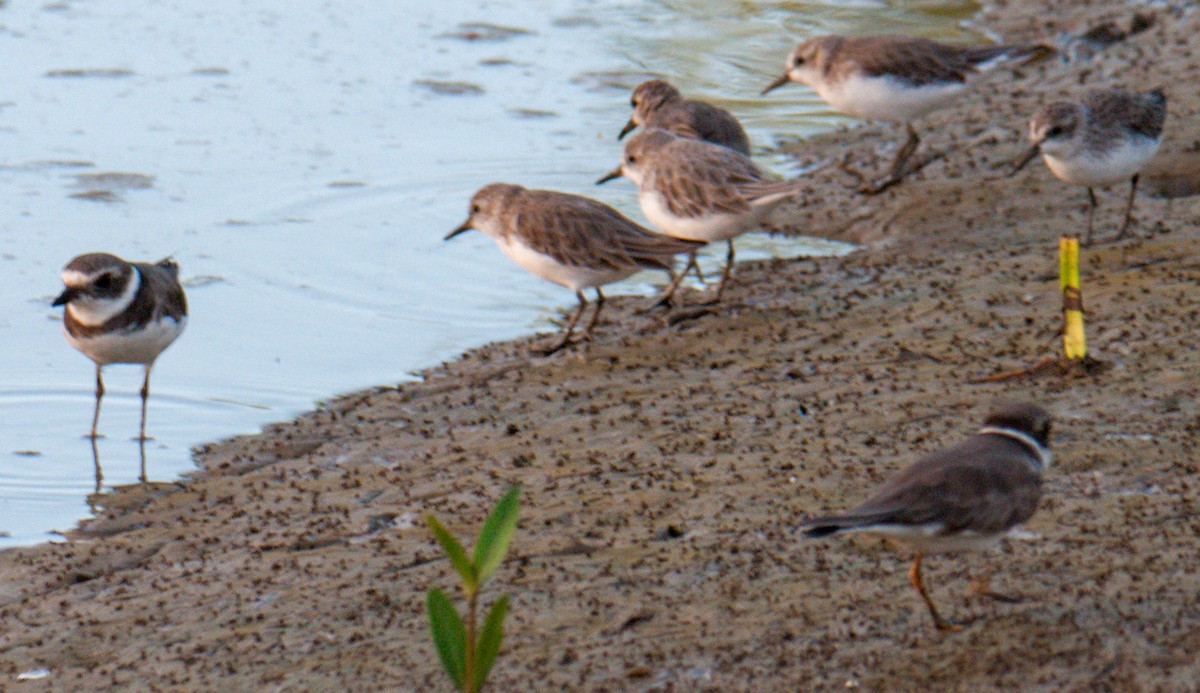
546	267
926	539
1116	165
131	347
886	98
709	228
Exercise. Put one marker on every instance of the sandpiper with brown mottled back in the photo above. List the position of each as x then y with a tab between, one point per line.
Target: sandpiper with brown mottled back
698	190
121	312
961	498
658	104
895	78
1104	137
572	241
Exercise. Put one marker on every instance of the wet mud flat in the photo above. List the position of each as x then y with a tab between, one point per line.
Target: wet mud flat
665	466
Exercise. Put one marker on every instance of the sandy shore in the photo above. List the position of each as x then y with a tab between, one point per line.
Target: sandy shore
665	467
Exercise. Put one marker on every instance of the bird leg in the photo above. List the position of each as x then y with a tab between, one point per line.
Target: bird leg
1133	183
566	338
96	462
145	392
587	331
99	396
914	576
142	456
724	275
906	151
664	301
896	172
1091	214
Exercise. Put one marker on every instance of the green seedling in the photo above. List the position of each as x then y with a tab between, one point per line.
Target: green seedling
468	654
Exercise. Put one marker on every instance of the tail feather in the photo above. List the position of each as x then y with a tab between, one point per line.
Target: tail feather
168	263
821	531
824	526
984	58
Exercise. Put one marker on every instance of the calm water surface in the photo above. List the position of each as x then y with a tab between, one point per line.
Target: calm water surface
302	161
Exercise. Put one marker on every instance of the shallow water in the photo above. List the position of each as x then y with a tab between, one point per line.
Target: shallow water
301	162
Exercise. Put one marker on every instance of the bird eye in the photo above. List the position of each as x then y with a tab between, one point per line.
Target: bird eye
797	61
631	158
474	209
105	282
1055	131
633	103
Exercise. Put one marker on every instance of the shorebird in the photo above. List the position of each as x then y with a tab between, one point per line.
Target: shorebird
698	190
121	312
1105	137
570	240
657	104
960	498
894	78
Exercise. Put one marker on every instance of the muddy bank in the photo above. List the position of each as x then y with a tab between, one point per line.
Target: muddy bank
665	466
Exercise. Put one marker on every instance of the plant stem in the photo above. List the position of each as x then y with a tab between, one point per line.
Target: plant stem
469	677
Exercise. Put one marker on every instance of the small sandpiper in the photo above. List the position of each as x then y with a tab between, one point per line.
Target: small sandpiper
121	312
894	78
698	190
1105	137
961	498
657	104
570	240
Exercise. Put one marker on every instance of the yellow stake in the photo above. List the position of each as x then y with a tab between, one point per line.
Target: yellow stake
1074	343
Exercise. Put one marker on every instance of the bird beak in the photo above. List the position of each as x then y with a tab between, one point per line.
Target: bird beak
465	226
625	130
779	82
615	173
65	297
1026	158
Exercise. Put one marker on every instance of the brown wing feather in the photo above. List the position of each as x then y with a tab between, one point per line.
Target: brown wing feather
161	279
1142	113
581	232
974	485
708	183
921	61
914	60
708	123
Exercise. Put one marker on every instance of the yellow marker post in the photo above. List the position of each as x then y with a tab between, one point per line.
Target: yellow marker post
1074	343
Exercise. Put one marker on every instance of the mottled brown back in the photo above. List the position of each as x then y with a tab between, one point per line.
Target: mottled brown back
582	232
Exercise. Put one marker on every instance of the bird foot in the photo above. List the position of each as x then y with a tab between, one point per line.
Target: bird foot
666	303
947	626
560	346
693	313
880	185
981	587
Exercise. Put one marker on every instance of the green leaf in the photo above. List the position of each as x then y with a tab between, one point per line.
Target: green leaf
489	641
497	531
456	553
449	635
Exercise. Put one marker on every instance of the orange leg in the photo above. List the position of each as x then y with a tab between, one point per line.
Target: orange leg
914	576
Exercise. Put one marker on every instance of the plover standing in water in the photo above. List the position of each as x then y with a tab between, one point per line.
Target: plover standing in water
698	190
894	78
121	312
657	104
1105	137
570	240
960	498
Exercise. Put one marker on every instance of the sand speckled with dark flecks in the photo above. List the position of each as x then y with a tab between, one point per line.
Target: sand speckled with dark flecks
665	466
